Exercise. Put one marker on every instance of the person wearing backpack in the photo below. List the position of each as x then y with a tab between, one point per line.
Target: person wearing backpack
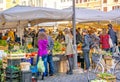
86	49
113	37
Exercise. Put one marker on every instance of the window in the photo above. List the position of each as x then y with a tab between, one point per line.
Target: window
104	1
24	3
80	1
1	1
105	9
85	0
76	1
115	0
115	7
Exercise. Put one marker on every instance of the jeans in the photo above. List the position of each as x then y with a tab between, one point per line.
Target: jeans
70	61
44	58
86	58
51	64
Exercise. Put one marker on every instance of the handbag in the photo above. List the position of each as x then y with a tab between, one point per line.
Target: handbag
110	42
40	65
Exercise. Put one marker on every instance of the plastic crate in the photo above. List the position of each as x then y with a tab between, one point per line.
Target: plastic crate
10	70
12	80
13	62
26	76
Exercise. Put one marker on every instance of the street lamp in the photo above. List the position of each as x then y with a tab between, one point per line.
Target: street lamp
74	35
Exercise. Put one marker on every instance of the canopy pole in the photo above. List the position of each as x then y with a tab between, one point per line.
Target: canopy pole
74	35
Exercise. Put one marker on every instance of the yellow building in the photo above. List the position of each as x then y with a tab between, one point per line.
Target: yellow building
5	4
104	5
11	3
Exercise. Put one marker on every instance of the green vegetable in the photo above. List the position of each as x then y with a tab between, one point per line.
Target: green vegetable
57	46
3	43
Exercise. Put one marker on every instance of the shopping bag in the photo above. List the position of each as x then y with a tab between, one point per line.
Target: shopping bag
40	65
110	42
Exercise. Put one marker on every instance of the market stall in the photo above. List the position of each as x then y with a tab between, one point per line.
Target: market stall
20	58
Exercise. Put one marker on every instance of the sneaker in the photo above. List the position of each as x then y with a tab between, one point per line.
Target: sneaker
51	74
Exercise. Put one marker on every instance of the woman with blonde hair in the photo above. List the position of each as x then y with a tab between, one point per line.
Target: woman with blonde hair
42	49
69	49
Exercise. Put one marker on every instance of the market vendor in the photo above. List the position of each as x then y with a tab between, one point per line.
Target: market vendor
11	35
60	37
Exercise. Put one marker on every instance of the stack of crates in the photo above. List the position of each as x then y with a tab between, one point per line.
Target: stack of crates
12	72
12	75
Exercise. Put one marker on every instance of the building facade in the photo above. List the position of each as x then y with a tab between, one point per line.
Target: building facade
35	3
58	4
5	4
104	5
11	3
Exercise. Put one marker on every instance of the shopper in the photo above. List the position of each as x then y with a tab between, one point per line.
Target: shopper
95	39
86	49
50	55
42	49
78	37
69	49
113	37
104	40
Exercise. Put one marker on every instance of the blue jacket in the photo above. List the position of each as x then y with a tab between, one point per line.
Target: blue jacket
50	44
86	44
113	35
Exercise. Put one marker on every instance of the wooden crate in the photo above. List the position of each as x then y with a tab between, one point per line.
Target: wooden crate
3	47
108	60
63	66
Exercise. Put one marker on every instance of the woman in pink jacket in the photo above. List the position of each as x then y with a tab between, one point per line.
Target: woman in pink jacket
42	49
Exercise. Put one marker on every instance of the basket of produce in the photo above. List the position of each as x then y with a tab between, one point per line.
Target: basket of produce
96	80
107	55
108	77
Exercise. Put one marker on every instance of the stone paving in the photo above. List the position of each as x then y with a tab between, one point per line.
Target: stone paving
68	78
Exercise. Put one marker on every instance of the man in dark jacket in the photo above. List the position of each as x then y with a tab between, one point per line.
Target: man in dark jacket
113	36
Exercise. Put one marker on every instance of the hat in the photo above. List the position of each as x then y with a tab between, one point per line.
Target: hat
42	30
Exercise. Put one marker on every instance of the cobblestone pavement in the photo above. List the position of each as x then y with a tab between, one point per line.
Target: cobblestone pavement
67	78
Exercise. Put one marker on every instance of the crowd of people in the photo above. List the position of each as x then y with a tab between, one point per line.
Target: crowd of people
86	37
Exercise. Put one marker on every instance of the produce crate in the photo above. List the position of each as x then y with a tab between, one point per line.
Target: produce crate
13	80
13	62
3	47
108	78
107	57
63	66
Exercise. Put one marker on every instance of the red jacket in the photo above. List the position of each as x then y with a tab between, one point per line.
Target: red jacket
104	40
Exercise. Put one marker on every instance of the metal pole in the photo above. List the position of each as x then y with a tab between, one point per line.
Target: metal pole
74	35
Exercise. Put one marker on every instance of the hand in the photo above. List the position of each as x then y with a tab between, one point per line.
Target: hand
48	51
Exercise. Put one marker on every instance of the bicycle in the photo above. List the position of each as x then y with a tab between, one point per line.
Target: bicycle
100	65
